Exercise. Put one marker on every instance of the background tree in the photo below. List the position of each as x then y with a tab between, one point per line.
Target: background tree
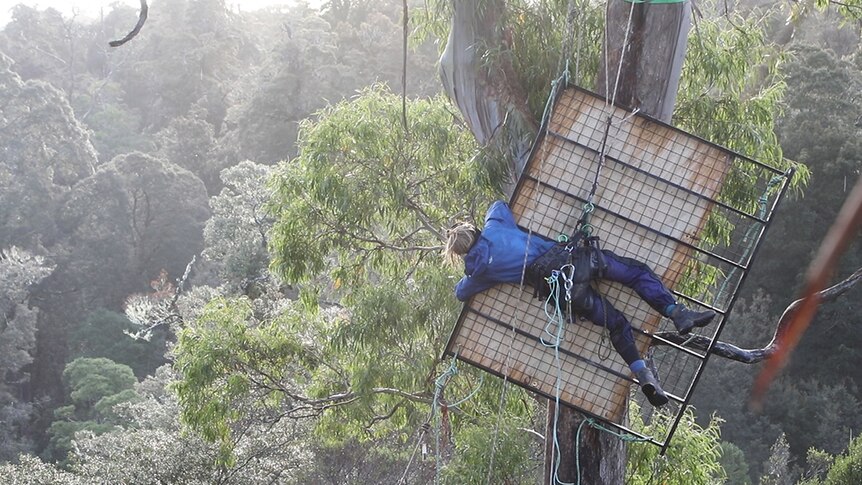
816	128
19	272
33	471
236	235
45	152
95	386
840	470
189	142
104	333
361	207
149	446
121	227
129	210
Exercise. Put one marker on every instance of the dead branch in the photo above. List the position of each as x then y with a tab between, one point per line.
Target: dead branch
141	19
753	356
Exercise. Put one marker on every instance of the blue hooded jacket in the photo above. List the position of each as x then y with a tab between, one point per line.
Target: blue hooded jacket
498	255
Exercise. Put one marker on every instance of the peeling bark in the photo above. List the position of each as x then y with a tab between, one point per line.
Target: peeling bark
487	93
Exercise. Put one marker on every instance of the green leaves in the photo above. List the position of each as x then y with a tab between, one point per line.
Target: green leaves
96	385
731	93
233	363
91	379
369	195
693	456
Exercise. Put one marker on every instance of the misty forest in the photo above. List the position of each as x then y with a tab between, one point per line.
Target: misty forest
220	242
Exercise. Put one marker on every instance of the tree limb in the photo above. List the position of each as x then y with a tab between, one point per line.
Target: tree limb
753	356
141	19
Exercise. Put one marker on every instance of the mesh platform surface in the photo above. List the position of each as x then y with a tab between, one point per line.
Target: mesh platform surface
659	190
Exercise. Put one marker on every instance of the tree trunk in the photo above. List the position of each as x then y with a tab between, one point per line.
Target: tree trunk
651	67
489	98
599	456
647	79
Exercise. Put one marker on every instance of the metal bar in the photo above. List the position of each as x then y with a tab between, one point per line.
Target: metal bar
677	130
702	366
668	343
561	349
665	181
565	351
640	225
619	427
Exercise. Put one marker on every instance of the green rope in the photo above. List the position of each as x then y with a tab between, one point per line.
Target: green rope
748	239
555	318
439	386
590	421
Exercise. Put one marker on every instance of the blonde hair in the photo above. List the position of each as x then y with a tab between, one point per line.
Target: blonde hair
459	240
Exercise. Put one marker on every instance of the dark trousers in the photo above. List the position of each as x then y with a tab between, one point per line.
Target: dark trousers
637	276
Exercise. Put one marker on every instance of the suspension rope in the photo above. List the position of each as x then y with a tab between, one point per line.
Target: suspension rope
547	114
610	99
622	52
748	240
578	53
422	430
557	314
568	37
500	405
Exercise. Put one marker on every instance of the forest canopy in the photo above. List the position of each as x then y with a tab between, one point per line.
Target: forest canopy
264	195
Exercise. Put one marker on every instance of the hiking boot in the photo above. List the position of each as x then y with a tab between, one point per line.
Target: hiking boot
650	387
685	319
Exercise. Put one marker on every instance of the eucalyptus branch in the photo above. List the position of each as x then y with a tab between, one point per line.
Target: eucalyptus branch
315	411
535	434
310	408
379	244
383	417
370	238
753	356
426	220
260	224
145	333
265	384
49	54
846	5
